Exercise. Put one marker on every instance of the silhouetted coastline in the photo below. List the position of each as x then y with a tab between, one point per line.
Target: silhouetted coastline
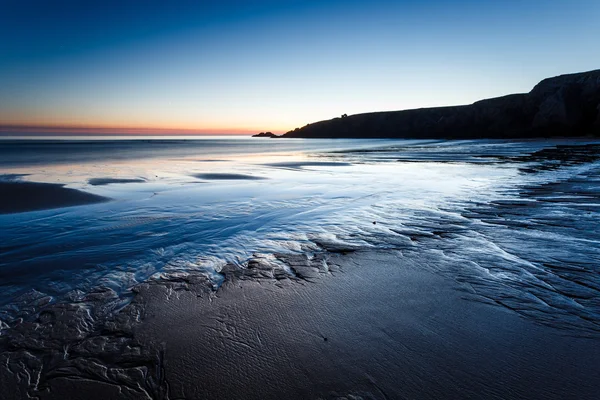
563	106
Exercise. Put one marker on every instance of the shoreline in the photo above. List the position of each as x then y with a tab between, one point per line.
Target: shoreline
342	336
327	331
494	301
565	105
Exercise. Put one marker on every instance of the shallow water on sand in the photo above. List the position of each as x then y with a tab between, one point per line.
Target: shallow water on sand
515	229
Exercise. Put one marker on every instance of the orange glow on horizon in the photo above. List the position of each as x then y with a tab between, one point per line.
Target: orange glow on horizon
124	130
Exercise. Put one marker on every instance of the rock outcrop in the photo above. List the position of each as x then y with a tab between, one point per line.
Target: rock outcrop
566	105
266	134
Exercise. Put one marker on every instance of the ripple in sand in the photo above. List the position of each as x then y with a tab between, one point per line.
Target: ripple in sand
108	181
302	164
223	176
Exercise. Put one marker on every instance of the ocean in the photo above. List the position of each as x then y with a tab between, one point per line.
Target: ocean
514	222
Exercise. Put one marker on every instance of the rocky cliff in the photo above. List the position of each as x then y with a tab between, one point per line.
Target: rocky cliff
566	105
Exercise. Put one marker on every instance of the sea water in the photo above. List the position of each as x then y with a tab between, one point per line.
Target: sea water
514	226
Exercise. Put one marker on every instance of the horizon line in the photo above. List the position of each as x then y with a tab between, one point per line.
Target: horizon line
45	130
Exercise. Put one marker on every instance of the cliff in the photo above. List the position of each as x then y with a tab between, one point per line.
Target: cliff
567	105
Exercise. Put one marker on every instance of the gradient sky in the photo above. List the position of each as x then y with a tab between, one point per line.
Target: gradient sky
243	66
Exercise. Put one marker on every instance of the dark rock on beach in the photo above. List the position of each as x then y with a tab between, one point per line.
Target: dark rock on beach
565	106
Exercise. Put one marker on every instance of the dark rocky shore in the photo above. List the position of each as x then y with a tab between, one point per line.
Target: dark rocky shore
563	106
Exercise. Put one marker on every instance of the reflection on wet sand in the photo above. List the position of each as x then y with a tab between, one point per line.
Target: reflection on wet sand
480	271
17	196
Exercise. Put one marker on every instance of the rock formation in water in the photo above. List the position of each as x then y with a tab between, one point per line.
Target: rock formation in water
566	105
266	134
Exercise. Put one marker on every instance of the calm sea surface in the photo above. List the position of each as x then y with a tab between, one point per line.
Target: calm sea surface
515	229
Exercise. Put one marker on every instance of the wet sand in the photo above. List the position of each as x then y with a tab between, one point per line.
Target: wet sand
17	196
108	181
225	176
340	321
364	325
380	327
303	164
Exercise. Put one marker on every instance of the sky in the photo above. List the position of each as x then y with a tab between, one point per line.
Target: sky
230	66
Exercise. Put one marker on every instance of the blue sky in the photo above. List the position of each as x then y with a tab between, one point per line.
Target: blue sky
233	66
